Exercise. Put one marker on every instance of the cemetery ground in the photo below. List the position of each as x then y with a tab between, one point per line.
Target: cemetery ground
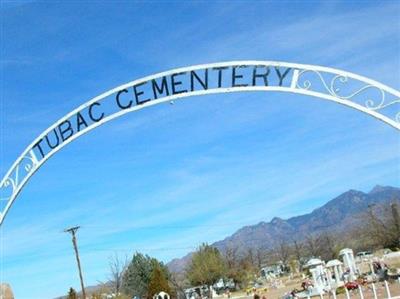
368	285
287	284
290	284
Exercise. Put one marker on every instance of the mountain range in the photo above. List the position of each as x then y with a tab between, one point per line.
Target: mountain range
337	215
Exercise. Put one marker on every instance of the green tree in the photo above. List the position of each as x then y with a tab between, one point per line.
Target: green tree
158	282
72	294
207	266
136	278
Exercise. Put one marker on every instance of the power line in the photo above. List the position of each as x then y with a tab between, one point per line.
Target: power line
178	226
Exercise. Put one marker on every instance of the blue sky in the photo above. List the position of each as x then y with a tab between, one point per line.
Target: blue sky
165	179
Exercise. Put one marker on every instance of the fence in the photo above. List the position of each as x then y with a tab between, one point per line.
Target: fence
360	292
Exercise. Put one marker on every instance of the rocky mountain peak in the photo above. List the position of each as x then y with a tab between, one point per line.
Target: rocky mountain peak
379	188
277	221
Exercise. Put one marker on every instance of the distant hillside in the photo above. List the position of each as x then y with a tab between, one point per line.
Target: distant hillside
341	212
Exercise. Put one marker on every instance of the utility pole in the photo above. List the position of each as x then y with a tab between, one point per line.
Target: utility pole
72	231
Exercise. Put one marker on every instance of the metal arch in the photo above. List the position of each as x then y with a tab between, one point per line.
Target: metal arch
29	163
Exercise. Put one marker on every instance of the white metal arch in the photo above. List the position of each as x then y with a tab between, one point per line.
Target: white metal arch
324	86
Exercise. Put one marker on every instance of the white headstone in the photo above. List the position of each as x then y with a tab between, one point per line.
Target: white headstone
349	262
161	295
6	291
316	267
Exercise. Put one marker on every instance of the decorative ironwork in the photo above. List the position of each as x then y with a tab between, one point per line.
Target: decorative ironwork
13	181
332	89
204	79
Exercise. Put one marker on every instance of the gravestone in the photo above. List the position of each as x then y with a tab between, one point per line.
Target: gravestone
6	291
161	295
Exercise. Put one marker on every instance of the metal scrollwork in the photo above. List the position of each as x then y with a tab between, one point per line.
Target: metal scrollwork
13	180
30	162
333	89
7	183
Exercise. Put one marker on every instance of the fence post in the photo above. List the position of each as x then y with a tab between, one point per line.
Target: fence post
374	291
347	293
361	292
334	294
387	290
